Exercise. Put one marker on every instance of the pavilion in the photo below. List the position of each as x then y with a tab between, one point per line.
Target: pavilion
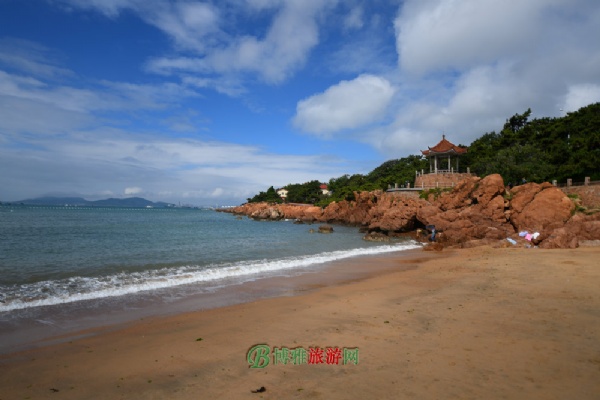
438	177
443	150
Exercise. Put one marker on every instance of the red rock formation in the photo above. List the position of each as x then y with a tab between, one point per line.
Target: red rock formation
539	207
393	213
578	229
477	211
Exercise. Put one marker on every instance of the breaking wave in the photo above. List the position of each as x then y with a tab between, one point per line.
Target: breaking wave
68	290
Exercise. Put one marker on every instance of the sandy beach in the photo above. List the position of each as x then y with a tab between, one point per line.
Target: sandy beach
479	323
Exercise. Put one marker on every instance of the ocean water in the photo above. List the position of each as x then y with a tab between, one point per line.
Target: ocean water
66	261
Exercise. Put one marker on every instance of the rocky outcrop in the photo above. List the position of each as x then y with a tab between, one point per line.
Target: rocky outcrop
393	214
539	207
325	229
376	237
477	211
482	211
586	196
579	229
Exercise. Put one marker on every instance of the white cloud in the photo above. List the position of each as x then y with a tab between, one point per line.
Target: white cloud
581	95
264	4
23	95
218	192
109	161
30	57
347	105
110	8
439	34
133	191
211	34
354	20
230	86
188	24
25	116
282	50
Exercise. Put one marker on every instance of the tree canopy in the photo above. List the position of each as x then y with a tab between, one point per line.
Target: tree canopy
270	196
541	150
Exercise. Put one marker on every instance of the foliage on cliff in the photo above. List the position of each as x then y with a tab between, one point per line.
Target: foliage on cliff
343	188
308	193
270	196
539	150
543	149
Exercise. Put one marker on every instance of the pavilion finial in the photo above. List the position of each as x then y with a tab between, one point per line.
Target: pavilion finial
443	136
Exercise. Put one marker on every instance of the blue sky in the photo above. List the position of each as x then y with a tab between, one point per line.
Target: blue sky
209	102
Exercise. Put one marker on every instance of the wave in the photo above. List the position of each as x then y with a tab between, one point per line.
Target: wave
48	293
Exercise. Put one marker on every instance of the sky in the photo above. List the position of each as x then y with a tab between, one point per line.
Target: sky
210	102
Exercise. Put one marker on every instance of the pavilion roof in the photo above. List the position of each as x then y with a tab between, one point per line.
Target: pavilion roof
444	147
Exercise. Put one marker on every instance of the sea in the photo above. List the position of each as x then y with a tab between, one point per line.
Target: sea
64	269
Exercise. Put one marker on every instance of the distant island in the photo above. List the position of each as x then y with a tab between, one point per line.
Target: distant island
81	202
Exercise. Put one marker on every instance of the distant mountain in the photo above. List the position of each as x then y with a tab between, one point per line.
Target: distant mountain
55	201
128	202
78	201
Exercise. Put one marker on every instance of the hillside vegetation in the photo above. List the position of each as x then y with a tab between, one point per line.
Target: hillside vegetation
539	150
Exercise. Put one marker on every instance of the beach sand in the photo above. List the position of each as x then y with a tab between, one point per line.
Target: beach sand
479	323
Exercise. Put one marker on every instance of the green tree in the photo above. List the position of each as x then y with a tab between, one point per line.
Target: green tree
397	171
306	193
517	162
270	196
542	149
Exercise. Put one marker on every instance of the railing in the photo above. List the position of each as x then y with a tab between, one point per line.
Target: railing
443	171
570	183
438	185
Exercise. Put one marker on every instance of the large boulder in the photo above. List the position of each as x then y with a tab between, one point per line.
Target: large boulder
474	210
376	237
269	213
472	191
399	219
353	212
489	188
393	213
578	229
539	208
325	229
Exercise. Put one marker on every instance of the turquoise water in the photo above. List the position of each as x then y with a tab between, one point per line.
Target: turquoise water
61	255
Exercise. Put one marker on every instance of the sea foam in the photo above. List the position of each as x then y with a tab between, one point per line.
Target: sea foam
73	289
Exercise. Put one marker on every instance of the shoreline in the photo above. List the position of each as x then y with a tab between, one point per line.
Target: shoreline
42	326
465	323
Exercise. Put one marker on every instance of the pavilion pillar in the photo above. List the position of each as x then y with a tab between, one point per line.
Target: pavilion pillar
435	162
448	162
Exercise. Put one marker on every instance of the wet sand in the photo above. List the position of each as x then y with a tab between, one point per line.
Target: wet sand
469	324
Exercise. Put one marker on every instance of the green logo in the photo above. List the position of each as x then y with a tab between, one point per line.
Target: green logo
258	356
